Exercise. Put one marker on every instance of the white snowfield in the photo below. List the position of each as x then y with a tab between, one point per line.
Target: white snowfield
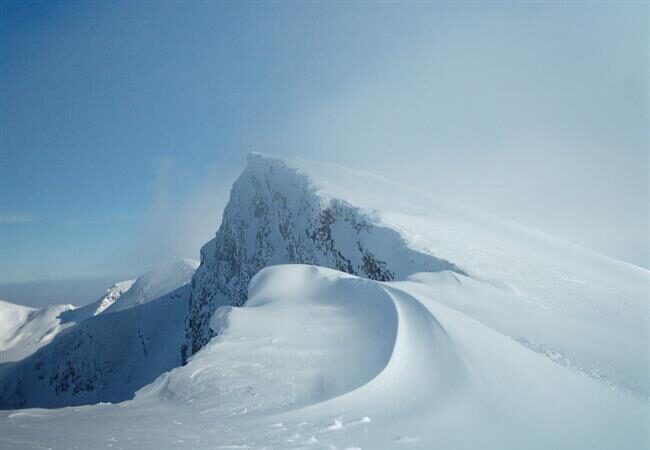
586	311
321	359
23	330
526	342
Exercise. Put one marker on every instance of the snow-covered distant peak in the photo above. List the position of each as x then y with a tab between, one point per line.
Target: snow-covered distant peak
153	284
109	348
128	293
23	330
12	316
112	294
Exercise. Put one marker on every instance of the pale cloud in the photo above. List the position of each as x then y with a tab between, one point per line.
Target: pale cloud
493	116
184	213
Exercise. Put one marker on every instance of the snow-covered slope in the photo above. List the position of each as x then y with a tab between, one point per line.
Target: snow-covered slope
588	310
112	294
440	328
106	358
320	359
24	330
147	287
103	358
155	283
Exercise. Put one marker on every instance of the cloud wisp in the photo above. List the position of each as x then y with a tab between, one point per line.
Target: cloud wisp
184	213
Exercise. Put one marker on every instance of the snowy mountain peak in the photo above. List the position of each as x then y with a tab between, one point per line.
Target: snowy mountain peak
298	211
155	283
23	330
112	294
277	214
544	297
129	293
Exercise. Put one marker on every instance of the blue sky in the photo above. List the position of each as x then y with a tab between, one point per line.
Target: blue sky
123	124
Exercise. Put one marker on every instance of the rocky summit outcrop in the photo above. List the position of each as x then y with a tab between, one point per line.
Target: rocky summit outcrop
277	215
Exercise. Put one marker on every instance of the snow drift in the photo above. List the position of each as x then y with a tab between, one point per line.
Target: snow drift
322	359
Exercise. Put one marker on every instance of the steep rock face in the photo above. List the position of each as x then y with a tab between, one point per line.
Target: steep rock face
276	215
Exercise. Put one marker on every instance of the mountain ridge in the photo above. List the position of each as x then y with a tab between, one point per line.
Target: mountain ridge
572	303
275	215
101	352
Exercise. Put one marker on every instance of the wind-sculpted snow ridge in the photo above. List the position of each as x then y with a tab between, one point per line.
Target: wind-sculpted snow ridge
353	325
106	350
321	359
275	215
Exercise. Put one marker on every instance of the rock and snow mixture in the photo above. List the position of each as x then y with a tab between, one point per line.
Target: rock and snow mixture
337	310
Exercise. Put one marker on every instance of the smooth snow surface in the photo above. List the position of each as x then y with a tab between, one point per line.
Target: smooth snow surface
325	360
587	311
24	330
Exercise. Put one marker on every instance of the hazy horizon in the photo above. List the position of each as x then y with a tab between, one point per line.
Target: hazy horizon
41	293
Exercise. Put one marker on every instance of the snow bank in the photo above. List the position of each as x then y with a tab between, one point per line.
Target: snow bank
325	360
